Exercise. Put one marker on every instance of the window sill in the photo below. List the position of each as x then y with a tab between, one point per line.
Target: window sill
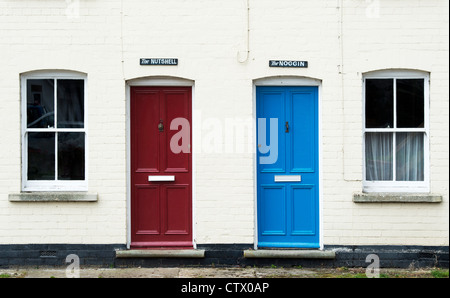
396	198
53	197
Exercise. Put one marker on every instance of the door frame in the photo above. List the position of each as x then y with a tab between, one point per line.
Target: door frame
283	81
156	81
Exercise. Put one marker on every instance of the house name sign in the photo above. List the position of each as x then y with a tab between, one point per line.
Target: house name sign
288	63
159	61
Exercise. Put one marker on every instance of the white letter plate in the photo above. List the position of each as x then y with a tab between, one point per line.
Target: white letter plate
293	178
161	178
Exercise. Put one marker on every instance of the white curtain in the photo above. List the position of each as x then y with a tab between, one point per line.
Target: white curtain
410	157
379	156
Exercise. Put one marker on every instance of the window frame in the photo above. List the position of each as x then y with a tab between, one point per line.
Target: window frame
52	185
398	186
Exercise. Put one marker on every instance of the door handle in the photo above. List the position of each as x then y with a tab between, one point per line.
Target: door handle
161	178
161	126
287	127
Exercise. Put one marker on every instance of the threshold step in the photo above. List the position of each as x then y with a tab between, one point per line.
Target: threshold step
160	253
289	254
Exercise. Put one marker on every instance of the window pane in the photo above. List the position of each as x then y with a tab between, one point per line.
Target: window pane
379	156
71	150
410	103
70	103
41	156
410	156
379	103
40	103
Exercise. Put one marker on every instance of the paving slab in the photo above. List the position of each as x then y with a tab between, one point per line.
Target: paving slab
217	273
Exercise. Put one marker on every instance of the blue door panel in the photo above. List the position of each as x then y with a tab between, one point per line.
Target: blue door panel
288	212
273	208
303	210
303	133
269	106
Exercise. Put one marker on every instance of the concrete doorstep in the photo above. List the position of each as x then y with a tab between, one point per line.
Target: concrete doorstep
289	254
163	253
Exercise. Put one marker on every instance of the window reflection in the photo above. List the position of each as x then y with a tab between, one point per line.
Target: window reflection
40	103
70	103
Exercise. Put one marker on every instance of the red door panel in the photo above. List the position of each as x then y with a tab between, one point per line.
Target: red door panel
147	205
177	106
161	211
145	142
178	212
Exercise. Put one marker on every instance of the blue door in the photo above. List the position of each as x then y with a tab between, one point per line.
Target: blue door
287	167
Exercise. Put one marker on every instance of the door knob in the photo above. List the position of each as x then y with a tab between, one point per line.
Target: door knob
287	126
161	126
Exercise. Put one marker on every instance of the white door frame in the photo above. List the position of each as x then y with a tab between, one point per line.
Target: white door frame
288	81
156	81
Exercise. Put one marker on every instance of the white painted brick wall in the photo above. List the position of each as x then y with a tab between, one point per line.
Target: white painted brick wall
206	36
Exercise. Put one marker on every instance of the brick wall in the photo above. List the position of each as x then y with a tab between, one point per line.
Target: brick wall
105	40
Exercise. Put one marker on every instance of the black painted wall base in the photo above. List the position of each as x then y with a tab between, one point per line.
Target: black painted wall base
55	254
220	255
392	256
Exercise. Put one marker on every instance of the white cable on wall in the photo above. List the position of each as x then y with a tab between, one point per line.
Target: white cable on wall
246	52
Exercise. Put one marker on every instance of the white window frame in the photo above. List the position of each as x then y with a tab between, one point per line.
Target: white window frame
51	185
399	186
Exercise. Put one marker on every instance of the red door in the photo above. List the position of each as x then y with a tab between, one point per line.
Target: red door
161	170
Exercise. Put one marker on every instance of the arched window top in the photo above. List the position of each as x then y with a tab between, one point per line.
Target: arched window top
54	73
390	73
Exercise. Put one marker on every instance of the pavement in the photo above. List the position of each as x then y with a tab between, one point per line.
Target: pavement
205	272
155	273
